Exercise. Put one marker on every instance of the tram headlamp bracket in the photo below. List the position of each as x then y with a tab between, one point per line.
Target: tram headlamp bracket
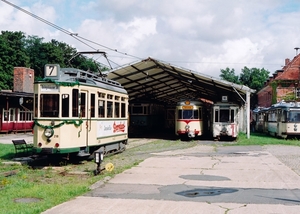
48	132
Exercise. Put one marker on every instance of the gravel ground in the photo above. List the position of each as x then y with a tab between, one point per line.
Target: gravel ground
289	155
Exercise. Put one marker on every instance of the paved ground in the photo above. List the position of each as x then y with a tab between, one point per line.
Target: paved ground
204	179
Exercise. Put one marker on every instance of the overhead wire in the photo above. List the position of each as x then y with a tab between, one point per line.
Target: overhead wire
74	35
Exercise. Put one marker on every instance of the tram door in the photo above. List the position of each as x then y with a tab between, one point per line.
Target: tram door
85	116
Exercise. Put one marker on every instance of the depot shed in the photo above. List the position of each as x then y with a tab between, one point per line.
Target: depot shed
155	80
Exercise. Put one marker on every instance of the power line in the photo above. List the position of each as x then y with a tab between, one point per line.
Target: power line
74	35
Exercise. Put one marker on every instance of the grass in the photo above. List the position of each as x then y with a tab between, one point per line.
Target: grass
262	139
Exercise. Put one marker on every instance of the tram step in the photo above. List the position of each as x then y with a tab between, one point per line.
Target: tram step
83	153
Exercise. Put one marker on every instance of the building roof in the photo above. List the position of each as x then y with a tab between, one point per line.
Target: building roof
152	79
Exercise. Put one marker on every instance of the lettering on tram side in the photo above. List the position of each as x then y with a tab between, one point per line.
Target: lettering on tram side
108	128
49	88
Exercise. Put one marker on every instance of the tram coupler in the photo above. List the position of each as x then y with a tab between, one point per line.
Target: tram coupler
98	157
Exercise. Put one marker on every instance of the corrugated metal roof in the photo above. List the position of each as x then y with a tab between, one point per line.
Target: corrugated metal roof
152	79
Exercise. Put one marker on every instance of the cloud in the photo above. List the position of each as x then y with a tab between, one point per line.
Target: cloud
204	36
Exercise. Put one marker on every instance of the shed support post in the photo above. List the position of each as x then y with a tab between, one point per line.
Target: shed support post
248	113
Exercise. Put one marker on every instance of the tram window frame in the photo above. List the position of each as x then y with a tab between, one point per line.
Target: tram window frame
75	101
36	105
82	104
224	115
5	115
101	108
49	105
123	110
216	115
65	105
117	109
25	115
93	102
232	114
109	108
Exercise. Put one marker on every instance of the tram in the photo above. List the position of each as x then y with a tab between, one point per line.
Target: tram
224	121
283	120
145	118
189	119
77	112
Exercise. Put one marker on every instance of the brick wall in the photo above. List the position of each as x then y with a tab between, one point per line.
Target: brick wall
23	79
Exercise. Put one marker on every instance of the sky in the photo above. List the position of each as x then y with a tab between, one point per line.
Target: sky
204	36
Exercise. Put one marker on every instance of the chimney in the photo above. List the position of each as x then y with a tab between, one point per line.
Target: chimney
287	61
23	79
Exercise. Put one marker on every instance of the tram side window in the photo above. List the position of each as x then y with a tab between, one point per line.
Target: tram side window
101	108
12	112
232	115
49	106
200	113
75	102
5	115
93	105
123	110
82	104
109	109
117	110
36	105
217	115
65	105
25	115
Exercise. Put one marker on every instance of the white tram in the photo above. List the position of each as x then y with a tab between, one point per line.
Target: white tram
224	121
189	119
283	119
77	112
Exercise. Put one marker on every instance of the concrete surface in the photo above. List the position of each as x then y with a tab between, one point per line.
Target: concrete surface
205	179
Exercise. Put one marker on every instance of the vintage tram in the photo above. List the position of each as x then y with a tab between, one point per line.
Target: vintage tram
189	119
224	121
77	112
283	120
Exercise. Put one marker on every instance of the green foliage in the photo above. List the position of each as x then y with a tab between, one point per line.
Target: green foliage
254	78
17	50
229	75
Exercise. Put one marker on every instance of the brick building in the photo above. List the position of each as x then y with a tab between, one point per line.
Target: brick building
283	85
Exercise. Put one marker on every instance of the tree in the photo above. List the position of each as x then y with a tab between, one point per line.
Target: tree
12	54
229	75
254	78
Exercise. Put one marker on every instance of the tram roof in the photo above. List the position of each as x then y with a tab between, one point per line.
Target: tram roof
152	79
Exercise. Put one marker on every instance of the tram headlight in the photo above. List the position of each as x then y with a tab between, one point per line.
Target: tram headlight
187	127
48	132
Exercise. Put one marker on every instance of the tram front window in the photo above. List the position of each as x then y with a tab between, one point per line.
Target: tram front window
49	105
294	116
190	114
224	115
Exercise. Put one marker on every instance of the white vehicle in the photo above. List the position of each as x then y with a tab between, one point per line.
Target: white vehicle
189	119
224	121
77	112
283	120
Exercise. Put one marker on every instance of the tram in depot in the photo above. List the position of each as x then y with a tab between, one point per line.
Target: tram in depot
145	118
77	112
224	121
283	120
189	119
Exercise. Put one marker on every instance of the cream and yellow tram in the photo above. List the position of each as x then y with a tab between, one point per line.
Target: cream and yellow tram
283	120
224	120
77	112
189	119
